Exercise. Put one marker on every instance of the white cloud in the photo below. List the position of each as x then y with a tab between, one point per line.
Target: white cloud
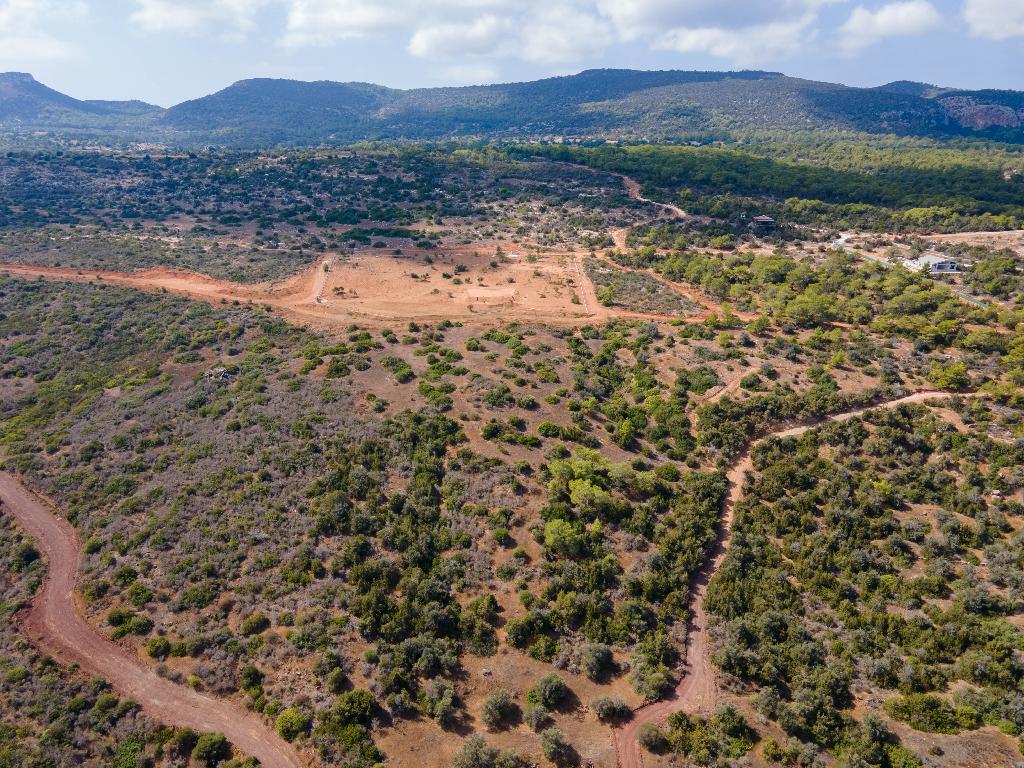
23	38
196	15
475	32
865	28
472	74
738	31
560	31
532	30
641	17
995	19
745	46
563	33
476	37
321	22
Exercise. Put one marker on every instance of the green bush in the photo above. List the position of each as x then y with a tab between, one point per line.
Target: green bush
499	709
292	723
607	708
211	748
254	624
159	647
927	712
651	738
549	692
555	747
477	753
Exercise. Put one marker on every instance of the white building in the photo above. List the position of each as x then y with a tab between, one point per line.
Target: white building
935	263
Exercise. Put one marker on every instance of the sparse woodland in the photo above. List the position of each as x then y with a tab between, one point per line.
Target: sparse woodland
483	539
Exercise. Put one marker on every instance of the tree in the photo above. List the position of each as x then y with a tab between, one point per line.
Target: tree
950	376
811	308
560	536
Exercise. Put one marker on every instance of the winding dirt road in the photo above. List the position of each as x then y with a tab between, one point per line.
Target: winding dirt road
697	690
55	624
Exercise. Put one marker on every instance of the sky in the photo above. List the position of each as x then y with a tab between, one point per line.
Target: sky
167	51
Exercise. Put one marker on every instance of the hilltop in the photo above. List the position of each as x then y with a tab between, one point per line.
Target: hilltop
606	103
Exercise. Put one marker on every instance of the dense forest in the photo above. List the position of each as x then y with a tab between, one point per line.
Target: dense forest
842	185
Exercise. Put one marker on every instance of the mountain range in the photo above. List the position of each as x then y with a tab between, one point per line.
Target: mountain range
605	103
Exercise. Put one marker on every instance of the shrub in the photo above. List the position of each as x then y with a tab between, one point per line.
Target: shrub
651	738
535	716
595	659
24	555
499	708
211	748
251	678
555	747
439	701
184	741
477	753
650	680
548	429
926	712
158	647
607	708
292	723
400	369
549	692
254	624
336	680
354	707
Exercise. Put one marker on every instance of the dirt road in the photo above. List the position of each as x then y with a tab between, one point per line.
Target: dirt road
619	236
697	690
55	624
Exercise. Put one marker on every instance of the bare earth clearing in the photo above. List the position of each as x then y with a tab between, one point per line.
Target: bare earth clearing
375	289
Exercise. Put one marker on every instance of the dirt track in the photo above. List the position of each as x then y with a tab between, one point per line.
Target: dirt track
56	625
697	690
376	289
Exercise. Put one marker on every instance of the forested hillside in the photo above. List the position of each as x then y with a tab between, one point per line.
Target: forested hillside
608	104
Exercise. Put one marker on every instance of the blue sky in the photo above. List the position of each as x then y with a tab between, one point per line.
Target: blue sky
165	51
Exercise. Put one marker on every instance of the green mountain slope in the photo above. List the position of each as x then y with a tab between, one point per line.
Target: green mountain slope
26	101
622	104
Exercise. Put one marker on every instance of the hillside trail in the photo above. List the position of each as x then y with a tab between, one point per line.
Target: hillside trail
697	690
56	624
619	236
